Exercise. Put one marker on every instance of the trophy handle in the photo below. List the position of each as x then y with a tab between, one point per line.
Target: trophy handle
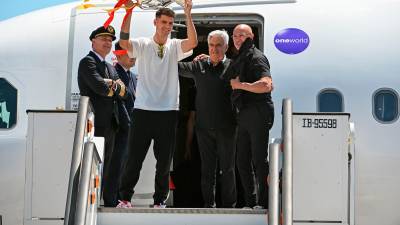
156	4
180	2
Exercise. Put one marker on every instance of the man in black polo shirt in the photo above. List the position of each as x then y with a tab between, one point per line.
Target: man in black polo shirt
215	120
251	95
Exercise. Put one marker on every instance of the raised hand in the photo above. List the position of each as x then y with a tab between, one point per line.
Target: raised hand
188	7
130	3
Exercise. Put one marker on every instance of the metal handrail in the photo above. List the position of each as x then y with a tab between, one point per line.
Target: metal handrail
84	184
287	177
351	169
76	158
273	191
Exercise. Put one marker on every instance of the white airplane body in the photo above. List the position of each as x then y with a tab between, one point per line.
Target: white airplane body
353	48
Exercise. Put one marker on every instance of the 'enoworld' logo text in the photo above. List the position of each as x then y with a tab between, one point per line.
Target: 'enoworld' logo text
291	41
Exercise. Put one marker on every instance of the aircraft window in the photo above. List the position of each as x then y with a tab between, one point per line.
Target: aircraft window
8	104
330	100
385	103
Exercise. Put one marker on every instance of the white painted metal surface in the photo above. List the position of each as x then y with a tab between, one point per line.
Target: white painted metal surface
320	168
182	217
47	164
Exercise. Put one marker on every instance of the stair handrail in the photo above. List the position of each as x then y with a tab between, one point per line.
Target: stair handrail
84	184
273	186
80	131
287	176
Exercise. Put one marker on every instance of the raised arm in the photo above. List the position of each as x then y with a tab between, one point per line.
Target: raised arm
191	41
124	35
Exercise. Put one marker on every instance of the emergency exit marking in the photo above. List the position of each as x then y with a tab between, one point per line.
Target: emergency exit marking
319	123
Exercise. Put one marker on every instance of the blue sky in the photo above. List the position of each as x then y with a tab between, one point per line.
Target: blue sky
11	8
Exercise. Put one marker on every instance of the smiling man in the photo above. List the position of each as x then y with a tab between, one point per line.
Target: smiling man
98	80
157	99
215	120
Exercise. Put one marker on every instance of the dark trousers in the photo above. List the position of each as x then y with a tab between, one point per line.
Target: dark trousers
109	140
254	123
159	126
217	146
115	169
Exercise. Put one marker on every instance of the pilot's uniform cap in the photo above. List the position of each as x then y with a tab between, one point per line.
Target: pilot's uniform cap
110	31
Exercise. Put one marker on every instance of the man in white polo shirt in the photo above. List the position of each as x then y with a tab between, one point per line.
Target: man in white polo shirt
157	100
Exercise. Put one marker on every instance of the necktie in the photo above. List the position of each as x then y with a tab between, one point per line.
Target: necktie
106	73
131	82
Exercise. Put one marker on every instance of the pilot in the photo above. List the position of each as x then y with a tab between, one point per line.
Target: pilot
157	100
98	80
125	108
252	86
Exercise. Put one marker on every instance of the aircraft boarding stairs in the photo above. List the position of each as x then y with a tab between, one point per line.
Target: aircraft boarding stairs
317	182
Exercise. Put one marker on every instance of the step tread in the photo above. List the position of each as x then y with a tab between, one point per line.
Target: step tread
182	210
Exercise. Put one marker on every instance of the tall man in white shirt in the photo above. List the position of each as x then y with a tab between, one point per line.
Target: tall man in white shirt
157	100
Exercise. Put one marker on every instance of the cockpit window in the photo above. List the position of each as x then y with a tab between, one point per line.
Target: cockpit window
330	100
385	105
8	105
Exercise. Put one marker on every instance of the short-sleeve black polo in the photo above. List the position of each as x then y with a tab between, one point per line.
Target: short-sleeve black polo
251	65
213	105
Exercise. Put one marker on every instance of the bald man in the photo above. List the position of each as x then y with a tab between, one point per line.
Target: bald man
252	86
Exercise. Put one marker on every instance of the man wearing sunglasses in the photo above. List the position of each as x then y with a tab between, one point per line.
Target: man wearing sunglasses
157	99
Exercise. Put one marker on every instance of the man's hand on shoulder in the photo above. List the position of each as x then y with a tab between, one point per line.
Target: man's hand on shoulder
201	57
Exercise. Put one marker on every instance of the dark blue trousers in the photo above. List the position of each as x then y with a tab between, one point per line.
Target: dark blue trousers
117	162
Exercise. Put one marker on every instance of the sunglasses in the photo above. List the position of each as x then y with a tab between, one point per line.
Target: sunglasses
240	35
160	51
